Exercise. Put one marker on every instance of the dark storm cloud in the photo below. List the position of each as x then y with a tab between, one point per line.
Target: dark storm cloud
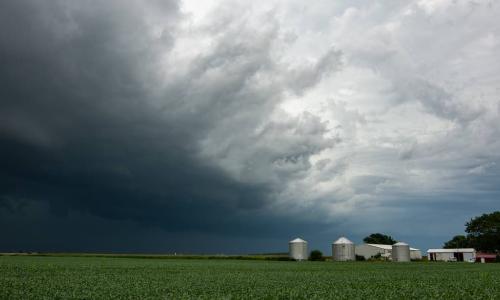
127	123
77	129
87	126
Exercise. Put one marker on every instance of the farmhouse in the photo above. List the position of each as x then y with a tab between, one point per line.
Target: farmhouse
457	254
370	250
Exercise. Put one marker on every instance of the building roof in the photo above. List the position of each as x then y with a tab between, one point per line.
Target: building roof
486	255
298	240
389	247
381	246
343	240
400	244
462	250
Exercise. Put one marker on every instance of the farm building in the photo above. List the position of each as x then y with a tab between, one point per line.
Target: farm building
485	257
371	250
459	254
298	249
343	250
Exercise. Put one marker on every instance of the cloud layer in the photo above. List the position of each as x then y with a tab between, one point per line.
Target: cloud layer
245	122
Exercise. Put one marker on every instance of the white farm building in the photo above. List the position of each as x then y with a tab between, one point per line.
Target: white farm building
370	250
458	254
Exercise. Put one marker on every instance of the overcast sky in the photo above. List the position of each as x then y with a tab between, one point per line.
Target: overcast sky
235	126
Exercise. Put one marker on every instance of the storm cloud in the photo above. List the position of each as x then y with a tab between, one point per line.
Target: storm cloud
164	125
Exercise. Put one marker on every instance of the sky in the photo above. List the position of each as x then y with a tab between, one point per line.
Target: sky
235	126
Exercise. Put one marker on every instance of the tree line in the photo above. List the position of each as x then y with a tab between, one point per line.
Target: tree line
482	234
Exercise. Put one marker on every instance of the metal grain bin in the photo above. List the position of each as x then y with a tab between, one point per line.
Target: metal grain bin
343	250
400	252
298	249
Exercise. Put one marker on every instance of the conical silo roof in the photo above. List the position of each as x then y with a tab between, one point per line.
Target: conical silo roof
401	244
343	240
298	240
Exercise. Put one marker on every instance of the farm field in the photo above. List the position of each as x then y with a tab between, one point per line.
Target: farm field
32	277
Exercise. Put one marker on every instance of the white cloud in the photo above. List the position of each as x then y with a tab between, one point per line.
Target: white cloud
412	102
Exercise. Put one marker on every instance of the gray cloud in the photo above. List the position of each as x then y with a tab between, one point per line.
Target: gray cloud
94	124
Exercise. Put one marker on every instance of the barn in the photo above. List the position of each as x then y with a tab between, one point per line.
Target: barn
457	254
371	250
486	257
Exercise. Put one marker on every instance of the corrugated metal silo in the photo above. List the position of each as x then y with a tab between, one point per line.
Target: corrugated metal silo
298	249
343	250
400	252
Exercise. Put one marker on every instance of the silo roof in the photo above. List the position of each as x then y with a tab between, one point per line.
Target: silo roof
343	240
298	240
401	244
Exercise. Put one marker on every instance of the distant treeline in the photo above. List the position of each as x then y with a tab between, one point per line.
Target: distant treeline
271	257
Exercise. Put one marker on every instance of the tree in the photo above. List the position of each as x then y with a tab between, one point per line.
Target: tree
316	255
379	238
458	241
360	258
484	232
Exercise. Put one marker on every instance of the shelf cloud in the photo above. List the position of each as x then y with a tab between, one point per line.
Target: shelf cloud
165	125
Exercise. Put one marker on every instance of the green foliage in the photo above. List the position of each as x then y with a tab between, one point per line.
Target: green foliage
316	255
379	238
28	277
377	257
360	258
484	232
458	241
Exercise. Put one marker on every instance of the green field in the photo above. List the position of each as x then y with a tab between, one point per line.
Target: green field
32	277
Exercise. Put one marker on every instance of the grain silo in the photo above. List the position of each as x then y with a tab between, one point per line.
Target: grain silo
343	250
298	249
400	252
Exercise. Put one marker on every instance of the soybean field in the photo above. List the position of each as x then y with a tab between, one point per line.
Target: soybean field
33	277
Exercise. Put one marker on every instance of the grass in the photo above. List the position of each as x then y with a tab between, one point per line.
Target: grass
81	277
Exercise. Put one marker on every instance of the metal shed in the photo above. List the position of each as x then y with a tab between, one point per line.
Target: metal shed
456	254
371	250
